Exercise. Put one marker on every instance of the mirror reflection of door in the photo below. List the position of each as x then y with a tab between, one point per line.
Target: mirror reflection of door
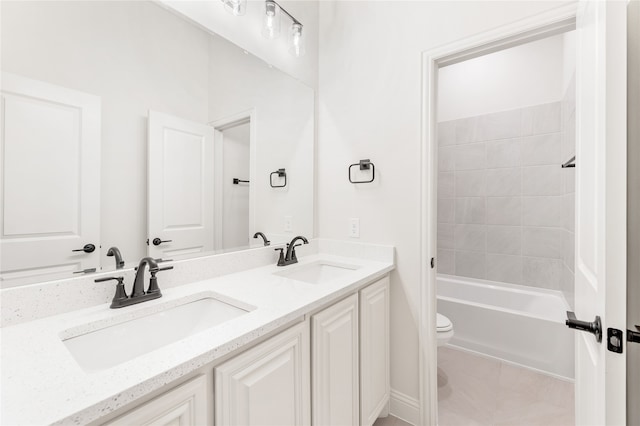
180	186
49	180
234	205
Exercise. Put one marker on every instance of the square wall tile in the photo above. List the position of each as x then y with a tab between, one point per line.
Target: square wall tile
446	185
542	211
445	235
504	268
546	118
503	182
446	133
543	273
569	212
569	250
470	183
499	125
446	210
504	240
465	130
470	210
543	242
542	180
504	210
503	153
446	159
542	150
470	264
470	237
470	156
445	263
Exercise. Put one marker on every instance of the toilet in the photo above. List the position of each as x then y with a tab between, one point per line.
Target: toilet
444	328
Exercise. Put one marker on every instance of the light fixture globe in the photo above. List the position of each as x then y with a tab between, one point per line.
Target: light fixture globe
271	26
296	40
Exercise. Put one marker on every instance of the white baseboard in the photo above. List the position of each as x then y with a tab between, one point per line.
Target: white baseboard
405	407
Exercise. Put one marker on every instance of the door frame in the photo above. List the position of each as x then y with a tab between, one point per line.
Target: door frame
219	126
552	22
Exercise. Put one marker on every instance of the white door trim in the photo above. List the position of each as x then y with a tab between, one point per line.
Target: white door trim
219	125
552	22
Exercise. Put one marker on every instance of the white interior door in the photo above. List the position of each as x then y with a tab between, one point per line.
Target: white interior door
50	179
180	186
600	208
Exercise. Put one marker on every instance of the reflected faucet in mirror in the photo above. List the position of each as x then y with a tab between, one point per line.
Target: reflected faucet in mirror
264	238
115	252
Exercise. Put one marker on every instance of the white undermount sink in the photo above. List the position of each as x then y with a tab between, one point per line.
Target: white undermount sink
113	345
316	272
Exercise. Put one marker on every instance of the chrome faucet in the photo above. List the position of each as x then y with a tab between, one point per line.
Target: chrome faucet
264	238
138	294
290	257
113	251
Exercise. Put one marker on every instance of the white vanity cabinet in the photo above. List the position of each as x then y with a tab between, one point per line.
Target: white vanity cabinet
267	384
350	358
334	364
185	405
374	350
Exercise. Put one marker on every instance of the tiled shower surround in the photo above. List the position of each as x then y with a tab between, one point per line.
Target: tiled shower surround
505	206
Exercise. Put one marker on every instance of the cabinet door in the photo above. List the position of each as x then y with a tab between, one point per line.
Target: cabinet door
183	406
268	384
334	364
374	350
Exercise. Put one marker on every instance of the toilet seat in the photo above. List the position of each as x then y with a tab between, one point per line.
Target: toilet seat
443	323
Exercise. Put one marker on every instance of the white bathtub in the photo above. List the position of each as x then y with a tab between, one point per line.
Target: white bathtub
518	324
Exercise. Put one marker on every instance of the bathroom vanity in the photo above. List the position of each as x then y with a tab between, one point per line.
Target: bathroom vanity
302	344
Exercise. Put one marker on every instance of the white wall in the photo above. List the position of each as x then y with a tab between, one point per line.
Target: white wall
245	31
525	75
369	107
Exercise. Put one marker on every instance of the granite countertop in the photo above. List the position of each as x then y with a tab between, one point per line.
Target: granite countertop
43	384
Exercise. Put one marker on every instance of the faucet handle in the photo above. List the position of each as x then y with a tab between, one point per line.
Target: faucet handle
100	280
281	258
120	295
293	252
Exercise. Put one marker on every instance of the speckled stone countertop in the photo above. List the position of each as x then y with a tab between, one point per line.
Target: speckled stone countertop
43	384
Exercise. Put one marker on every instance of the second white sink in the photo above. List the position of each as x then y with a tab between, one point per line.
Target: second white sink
113	345
316	272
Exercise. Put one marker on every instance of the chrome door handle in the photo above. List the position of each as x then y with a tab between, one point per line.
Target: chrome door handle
594	327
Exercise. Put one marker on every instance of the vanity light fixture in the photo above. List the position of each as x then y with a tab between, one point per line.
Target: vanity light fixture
271	29
271	24
235	7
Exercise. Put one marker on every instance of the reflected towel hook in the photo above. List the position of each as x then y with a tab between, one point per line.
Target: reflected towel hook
570	163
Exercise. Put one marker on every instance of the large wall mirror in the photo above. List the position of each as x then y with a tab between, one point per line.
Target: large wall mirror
125	125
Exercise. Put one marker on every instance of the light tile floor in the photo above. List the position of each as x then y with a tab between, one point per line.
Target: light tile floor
390	421
474	390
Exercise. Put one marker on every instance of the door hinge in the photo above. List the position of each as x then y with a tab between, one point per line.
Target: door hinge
614	340
433	262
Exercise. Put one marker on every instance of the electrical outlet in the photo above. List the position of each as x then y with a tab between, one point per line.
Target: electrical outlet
288	224
354	227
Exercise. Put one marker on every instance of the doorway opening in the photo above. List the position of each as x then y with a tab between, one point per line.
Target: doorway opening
233	182
494	212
